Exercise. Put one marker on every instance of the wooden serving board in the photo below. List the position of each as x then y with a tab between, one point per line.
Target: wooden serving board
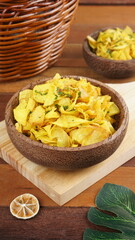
61	186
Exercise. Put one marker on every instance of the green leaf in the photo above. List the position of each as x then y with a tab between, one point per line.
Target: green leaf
120	201
65	107
118	223
90	234
117	199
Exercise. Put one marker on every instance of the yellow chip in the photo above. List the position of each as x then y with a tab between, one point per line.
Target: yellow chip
66	121
25	94
61	136
79	134
21	113
37	116
97	135
65	112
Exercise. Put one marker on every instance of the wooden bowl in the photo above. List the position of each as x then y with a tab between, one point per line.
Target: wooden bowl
68	158
107	67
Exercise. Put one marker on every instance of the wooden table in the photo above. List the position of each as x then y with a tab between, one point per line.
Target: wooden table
69	221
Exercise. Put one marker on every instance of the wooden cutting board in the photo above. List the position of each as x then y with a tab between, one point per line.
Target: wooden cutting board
61	186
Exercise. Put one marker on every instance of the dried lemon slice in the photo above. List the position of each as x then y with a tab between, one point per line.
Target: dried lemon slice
24	206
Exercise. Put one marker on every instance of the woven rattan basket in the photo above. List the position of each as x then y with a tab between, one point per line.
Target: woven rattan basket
32	35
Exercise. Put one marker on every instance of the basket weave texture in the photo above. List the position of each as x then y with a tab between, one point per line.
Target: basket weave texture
32	35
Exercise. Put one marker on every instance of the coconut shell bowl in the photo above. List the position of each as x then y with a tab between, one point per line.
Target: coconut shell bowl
109	68
68	158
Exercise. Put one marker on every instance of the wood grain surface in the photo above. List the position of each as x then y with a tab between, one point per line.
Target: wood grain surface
107	2
68	222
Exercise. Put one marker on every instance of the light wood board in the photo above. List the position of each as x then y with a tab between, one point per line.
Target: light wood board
61	186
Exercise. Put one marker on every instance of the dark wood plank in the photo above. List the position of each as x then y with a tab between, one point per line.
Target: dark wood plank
52	223
72	70
102	16
107	2
2	161
4	98
130	163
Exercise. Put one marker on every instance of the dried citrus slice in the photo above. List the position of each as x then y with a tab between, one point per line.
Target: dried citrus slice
24	206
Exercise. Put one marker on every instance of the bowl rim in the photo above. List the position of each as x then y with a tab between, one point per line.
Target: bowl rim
87	47
121	128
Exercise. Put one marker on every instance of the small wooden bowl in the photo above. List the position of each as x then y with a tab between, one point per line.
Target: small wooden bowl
107	67
68	158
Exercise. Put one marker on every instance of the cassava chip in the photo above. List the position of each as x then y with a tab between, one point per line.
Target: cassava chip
69	121
117	44
65	112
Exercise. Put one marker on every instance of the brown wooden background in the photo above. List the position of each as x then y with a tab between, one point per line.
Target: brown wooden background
67	222
107	2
